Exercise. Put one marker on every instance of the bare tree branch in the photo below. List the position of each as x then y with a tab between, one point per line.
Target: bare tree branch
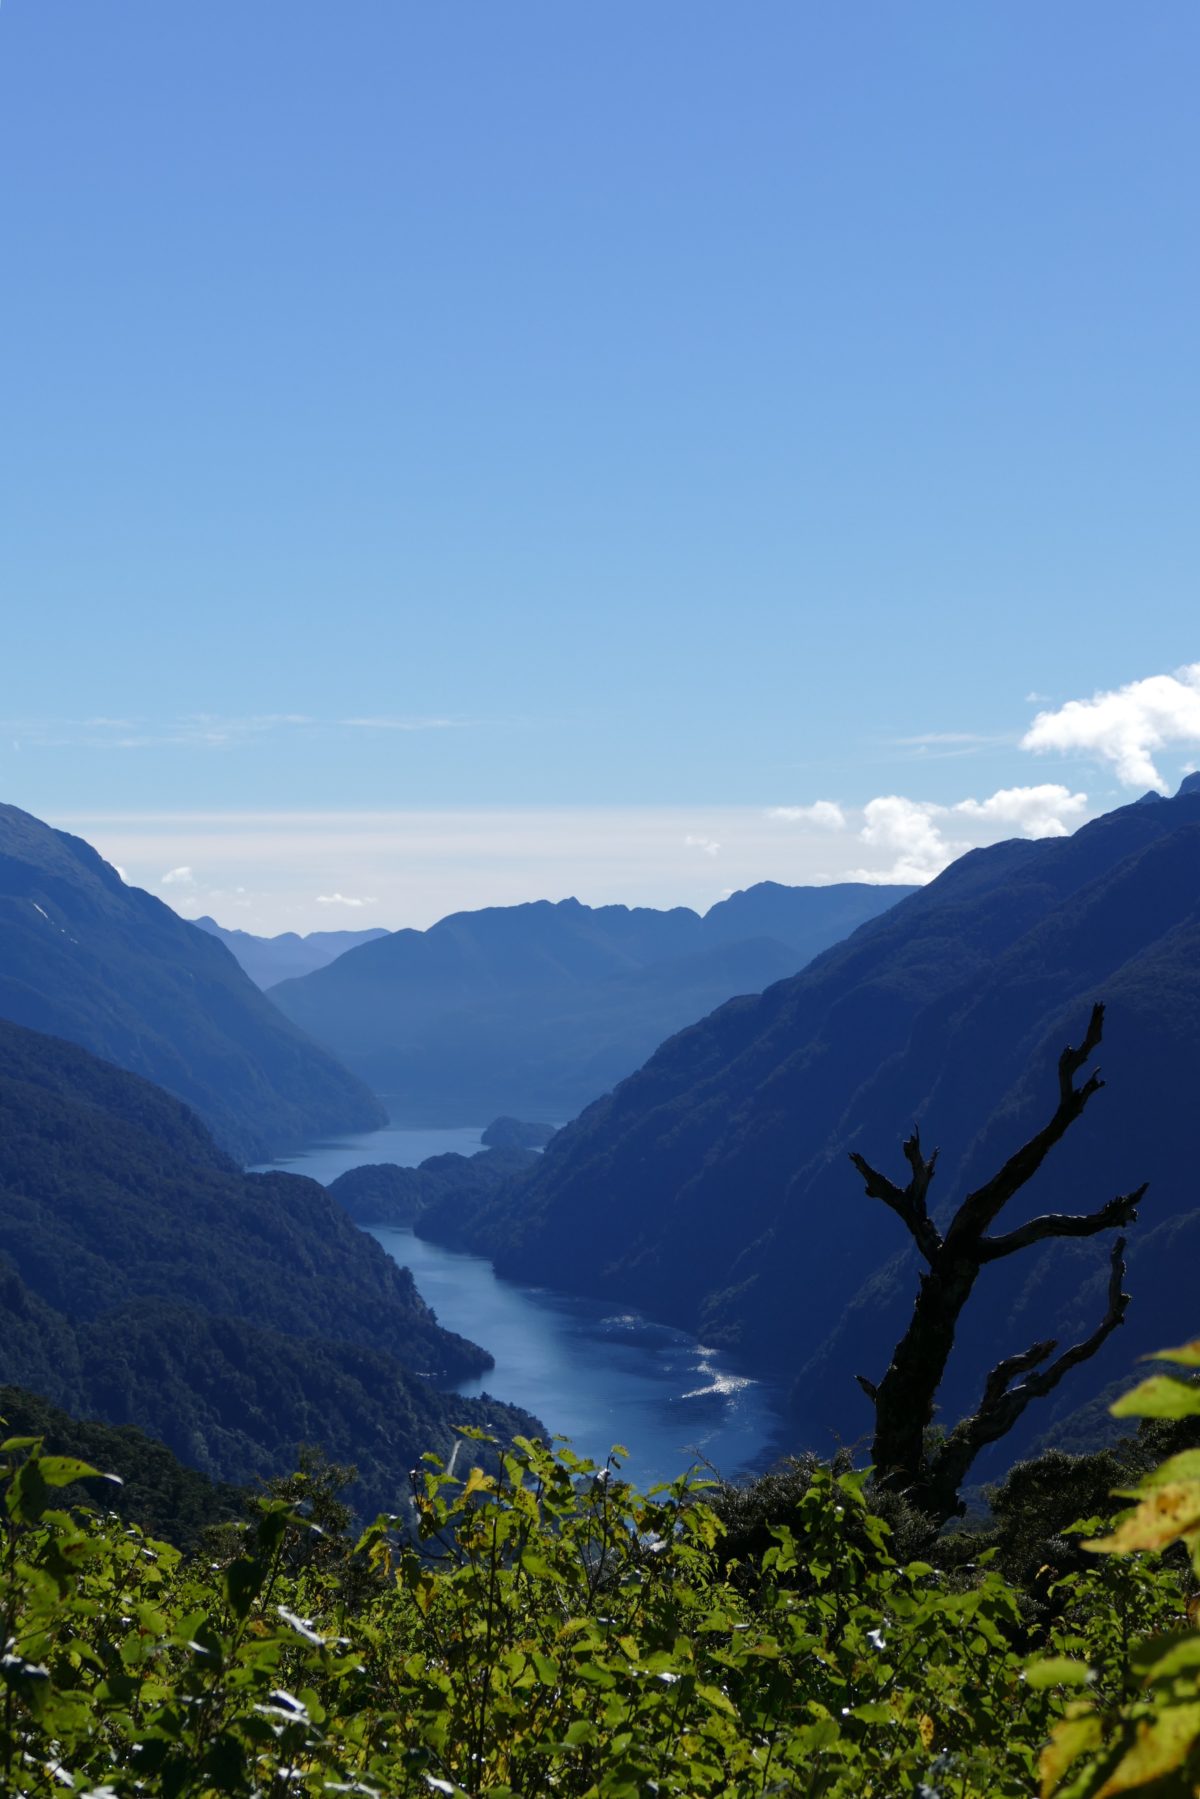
1119	1211
978	1209
1003	1403
909	1203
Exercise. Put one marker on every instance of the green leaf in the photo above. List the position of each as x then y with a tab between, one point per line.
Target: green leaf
1068	1740
1187	1354
1161	1744
243	1579
1162	1396
61	1470
1057	1671
1166	1656
27	1493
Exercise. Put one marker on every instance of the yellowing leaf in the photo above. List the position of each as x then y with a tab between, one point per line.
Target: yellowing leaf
1161	1744
1162	1396
925	1729
1165	1514
1069	1739
1185	1466
478	1482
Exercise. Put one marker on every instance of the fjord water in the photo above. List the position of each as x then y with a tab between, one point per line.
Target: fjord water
594	1373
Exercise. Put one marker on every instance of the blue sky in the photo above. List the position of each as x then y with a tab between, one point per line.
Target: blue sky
526	438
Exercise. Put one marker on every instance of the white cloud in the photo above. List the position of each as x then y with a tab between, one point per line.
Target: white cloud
178	877
342	899
1034	698
904	829
1126	726
706	844
825	813
910	832
1046	811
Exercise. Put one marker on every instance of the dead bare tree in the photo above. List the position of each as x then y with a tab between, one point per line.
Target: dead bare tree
904	1399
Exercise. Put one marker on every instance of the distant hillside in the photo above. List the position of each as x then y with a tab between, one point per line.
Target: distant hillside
286	957
713	1187
144	1279
536	1009
85	957
385	1193
157	1491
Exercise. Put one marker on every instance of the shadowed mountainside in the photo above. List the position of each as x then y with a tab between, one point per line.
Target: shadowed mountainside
144	1279
536	1009
713	1187
85	957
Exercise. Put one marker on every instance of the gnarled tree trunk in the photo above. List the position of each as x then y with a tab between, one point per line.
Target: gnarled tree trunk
904	1398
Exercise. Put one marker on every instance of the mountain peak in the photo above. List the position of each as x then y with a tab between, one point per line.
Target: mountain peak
1189	784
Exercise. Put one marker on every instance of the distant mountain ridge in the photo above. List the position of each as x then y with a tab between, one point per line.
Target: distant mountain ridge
535	1009
144	1279
106	966
712	1188
268	960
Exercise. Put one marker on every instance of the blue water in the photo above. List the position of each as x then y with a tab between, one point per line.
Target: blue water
595	1373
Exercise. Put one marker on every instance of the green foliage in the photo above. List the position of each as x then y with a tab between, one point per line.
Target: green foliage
551	1631
547	1629
1139	1728
165	1498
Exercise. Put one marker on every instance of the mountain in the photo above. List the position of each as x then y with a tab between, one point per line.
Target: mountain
85	957
385	1193
536	1009
145	1279
286	957
712	1189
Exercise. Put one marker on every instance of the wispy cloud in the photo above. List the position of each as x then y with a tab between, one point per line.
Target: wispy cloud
707	844
176	877
343	899
1126	726
925	738
200	730
826	814
403	724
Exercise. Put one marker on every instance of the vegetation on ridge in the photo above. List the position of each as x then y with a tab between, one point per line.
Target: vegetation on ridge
554	1631
146	1280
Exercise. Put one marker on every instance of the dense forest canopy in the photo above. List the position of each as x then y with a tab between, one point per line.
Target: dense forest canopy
146	1280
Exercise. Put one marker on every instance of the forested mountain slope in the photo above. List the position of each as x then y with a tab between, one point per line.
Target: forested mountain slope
536	1009
713	1187
85	957
145	1279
